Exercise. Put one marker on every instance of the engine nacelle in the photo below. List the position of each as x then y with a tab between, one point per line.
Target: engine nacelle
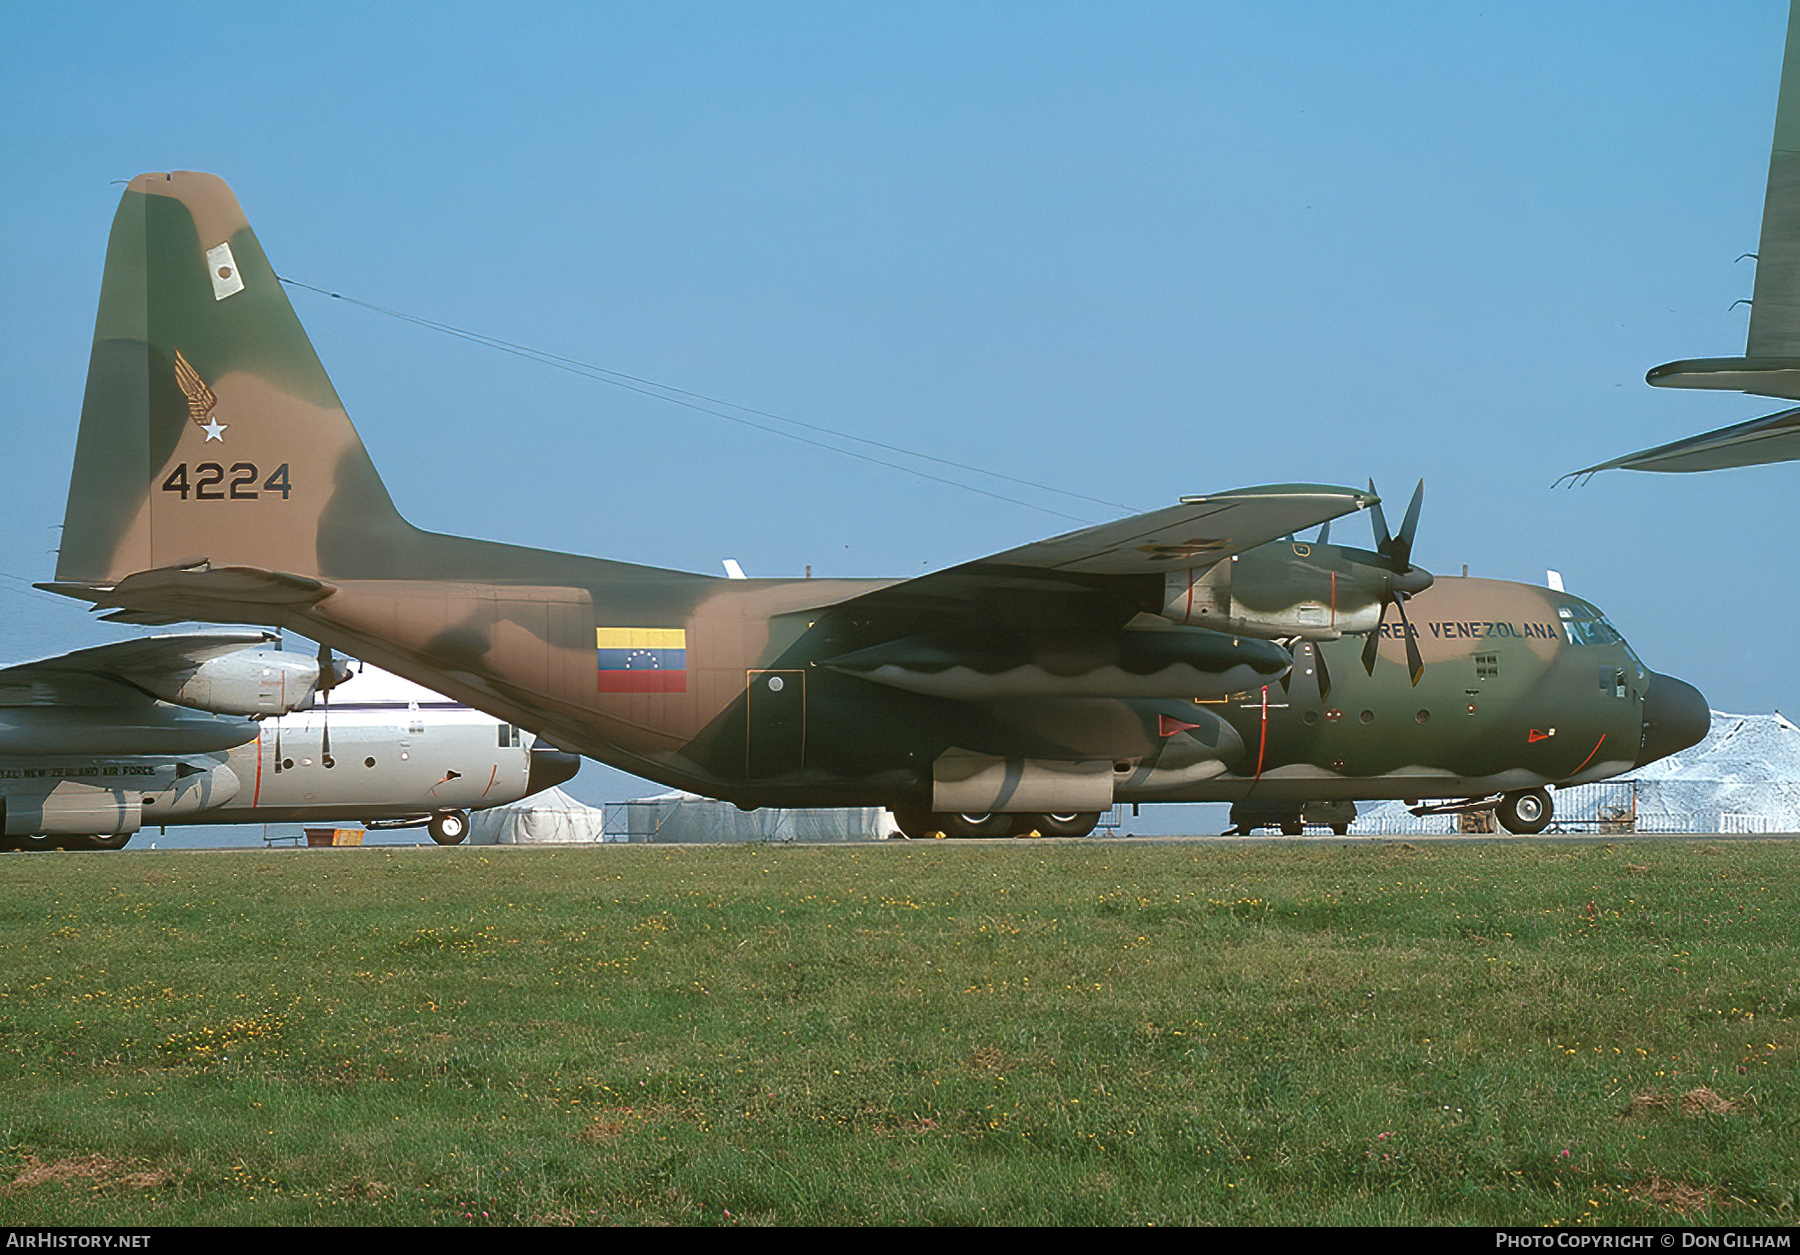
1287	589
244	682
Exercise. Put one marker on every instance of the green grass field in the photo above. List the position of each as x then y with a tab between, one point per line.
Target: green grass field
996	1033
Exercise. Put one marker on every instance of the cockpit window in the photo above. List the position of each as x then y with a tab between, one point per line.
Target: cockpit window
1584	625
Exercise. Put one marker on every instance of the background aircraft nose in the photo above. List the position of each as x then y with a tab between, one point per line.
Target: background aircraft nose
1675	717
550	765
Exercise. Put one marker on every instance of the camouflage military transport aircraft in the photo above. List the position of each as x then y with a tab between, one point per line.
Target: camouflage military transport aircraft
207	729
1770	366
217	477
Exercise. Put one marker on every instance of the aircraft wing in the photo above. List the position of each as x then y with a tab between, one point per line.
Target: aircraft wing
104	673
1774	438
1198	532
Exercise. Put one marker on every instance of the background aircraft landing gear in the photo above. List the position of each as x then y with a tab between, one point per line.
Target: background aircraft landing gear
448	828
1525	812
914	825
111	841
1247	816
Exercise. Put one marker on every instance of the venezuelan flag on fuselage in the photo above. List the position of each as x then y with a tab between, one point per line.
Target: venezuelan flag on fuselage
642	660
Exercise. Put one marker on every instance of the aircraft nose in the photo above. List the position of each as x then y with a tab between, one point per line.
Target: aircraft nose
549	766
1675	717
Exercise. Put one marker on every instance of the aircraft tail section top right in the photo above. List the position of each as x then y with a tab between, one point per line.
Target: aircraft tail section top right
1770	366
1775	307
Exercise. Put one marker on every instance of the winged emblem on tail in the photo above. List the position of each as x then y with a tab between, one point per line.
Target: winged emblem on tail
200	398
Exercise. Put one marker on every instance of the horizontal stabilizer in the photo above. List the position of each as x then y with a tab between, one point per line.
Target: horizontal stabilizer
218	594
1759	376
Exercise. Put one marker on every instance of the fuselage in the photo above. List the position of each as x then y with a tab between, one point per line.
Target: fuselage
379	760
733	693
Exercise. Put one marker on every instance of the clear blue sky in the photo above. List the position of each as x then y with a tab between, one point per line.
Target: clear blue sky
1132	250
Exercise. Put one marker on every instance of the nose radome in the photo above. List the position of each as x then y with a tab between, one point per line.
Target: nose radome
1675	717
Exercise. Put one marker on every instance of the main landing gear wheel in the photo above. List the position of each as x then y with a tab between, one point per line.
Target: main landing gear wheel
1526	812
1072	824
992	824
449	828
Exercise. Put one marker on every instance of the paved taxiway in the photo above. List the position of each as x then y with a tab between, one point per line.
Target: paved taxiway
1546	838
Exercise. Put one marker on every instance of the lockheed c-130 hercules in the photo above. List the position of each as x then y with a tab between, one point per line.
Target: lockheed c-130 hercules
217	477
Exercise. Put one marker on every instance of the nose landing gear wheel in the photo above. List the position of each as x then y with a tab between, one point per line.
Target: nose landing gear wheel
448	828
1526	812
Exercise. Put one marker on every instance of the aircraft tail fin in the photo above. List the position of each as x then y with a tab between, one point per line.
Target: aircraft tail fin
1775	309
1770	366
210	433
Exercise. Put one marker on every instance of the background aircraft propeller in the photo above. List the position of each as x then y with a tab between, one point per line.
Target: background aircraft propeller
1403	580
331	674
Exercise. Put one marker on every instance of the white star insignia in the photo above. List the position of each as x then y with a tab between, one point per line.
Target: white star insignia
214	429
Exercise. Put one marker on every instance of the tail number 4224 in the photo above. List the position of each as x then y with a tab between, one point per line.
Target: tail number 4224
215	482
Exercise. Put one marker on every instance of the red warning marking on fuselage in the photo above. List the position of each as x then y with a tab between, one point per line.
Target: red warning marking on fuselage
1167	727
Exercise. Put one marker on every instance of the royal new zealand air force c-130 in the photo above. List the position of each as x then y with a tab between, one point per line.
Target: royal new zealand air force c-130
224	728
1153	658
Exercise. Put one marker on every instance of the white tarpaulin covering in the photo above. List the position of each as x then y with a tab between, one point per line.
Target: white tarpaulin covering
548	818
1744	777
683	817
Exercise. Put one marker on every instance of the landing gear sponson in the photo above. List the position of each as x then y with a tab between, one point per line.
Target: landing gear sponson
922	824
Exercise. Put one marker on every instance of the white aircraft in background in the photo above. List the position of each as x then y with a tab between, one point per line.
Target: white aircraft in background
221	728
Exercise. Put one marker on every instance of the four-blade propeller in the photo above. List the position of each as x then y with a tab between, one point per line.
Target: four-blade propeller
1403	580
